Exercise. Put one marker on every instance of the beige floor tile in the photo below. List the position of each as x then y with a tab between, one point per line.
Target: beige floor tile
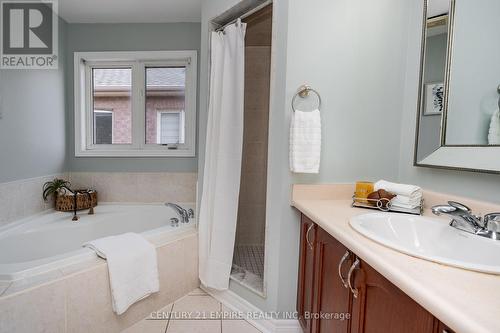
229	313
197	292
3	287
194	326
163	313
196	307
239	326
148	326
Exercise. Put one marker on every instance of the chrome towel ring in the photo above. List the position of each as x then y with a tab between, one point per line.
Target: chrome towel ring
303	92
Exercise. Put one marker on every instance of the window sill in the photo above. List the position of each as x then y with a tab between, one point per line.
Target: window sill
136	153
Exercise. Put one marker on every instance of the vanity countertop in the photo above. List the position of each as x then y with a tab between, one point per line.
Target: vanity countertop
466	301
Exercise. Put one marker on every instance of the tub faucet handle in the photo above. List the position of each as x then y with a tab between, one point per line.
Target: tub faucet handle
183	214
174	222
190	213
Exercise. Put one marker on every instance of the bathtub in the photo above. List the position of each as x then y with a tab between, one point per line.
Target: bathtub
49	241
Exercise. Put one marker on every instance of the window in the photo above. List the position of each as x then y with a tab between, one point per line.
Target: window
103	127
170	127
135	103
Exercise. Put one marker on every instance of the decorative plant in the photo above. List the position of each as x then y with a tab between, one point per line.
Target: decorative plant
54	187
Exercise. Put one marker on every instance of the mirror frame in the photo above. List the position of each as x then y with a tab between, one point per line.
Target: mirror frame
475	158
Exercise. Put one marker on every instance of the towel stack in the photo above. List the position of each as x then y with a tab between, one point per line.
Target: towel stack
494	132
407	196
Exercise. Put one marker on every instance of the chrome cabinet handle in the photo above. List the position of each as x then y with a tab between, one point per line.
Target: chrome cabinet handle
307	236
353	267
341	263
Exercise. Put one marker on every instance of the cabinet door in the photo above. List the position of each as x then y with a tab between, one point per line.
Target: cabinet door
306	273
381	307
441	328
332	300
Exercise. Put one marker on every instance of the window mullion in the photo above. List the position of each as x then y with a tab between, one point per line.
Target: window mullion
89	123
138	109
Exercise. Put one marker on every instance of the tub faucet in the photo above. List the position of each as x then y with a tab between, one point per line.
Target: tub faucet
463	219
183	214
75	205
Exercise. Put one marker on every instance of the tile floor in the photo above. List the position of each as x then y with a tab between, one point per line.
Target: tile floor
197	312
250	257
248	266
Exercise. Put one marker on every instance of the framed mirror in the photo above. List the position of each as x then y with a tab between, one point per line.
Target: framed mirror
458	120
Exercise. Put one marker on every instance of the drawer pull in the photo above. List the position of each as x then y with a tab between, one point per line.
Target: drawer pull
341	263
307	236
351	270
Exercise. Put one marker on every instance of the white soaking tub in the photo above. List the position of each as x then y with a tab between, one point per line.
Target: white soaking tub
51	240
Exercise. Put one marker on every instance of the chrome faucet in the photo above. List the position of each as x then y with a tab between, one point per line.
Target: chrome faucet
184	215
463	219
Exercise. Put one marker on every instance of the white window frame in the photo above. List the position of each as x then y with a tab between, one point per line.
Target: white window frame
182	115
84	62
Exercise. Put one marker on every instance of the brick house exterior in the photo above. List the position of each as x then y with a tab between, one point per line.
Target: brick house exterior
122	115
165	92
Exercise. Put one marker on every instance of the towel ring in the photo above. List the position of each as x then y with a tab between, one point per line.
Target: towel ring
303	92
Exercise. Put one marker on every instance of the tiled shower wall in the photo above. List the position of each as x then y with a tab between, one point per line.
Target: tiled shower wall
23	198
252	203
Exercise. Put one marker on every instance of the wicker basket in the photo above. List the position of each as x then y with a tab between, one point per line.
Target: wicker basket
66	202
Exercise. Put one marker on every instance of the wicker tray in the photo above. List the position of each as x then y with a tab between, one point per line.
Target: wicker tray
66	202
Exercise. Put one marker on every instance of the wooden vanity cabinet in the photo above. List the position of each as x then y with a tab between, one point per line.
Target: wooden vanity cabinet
381	307
331	297
306	273
378	307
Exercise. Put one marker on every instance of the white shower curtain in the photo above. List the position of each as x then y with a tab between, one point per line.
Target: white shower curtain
222	171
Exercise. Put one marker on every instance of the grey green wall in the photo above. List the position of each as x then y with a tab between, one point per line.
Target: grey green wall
32	136
125	37
469	184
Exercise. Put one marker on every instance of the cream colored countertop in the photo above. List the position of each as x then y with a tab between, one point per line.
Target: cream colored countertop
466	301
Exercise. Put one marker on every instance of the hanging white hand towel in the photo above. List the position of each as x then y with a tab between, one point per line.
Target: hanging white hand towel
305	141
132	266
494	132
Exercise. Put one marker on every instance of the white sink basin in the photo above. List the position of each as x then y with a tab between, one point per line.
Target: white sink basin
430	239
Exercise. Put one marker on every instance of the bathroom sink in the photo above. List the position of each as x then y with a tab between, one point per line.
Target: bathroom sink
430	239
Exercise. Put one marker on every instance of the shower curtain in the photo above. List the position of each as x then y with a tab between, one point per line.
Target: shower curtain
223	152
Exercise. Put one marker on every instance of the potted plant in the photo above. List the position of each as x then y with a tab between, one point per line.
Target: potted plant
55	187
65	199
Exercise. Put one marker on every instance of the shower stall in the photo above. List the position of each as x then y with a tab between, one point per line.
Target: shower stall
248	260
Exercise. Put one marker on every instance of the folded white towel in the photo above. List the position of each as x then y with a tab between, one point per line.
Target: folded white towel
305	141
494	131
398	189
132	266
407	196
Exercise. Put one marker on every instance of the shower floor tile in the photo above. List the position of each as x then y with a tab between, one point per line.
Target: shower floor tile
248	266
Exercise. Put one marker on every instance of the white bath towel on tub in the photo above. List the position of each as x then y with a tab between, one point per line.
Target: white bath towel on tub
132	265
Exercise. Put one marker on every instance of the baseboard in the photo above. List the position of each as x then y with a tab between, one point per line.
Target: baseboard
237	303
